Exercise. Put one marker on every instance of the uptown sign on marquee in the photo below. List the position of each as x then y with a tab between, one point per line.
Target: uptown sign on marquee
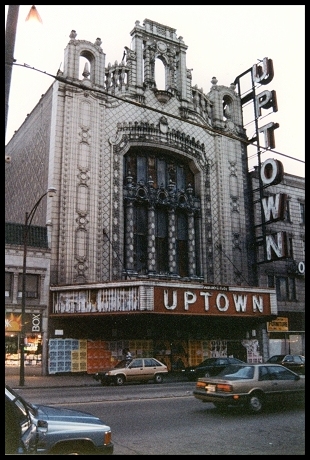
214	301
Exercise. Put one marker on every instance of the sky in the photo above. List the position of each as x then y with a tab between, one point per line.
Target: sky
223	41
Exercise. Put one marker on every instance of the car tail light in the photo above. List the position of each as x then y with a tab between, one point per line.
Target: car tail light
200	384
107	438
224	387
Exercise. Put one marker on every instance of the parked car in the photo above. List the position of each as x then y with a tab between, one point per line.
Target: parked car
37	429
252	386
136	370
209	367
296	363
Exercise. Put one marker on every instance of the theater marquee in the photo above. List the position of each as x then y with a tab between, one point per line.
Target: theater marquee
170	298
215	301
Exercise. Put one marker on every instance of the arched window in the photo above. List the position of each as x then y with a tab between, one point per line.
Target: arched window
84	67
160	75
160	205
227	108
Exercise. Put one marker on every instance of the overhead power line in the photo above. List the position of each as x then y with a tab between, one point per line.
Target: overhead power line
141	105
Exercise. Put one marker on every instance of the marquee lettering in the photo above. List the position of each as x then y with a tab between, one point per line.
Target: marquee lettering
266	100
268	131
219	302
189	298
274	207
301	268
263	74
166	300
271	172
276	246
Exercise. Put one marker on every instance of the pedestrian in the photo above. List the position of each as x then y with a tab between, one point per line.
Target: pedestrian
128	355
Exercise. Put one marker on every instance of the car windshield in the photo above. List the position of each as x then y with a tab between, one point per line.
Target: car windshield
236	372
276	359
19	401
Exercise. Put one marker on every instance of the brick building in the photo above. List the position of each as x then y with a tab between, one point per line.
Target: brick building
37	293
283	265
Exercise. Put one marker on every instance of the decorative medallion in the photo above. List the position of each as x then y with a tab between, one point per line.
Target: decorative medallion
163	125
162	47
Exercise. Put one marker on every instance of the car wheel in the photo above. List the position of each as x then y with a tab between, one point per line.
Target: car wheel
255	403
119	380
158	378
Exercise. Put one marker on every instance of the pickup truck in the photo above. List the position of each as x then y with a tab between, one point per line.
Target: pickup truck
49	430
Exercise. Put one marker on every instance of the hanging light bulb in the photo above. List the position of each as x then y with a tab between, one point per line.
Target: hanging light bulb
33	15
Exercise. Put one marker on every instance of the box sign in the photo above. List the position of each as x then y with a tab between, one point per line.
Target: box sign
33	322
278	325
212	301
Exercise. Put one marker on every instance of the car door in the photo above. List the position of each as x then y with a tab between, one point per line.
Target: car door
20	431
277	382
150	367
135	371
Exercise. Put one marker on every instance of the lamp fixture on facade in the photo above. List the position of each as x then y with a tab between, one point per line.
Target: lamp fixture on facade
33	15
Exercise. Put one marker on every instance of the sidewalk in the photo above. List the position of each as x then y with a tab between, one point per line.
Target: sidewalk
34	379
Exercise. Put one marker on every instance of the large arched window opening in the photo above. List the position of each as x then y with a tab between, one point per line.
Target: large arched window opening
160	75
162	215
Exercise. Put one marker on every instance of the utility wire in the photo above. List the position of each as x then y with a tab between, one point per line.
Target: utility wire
219	247
111	244
139	104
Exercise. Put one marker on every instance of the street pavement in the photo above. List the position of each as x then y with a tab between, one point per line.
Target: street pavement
35	379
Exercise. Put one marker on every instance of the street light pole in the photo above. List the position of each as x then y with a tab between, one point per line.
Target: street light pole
28	220
10	37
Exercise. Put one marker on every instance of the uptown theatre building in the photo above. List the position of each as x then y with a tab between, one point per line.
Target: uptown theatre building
151	231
